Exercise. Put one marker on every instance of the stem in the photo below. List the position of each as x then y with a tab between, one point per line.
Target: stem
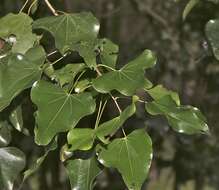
32	4
22	8
113	98
106	67
56	61
51	53
51	7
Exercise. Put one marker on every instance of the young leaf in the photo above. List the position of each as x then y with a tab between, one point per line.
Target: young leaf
68	73
111	126
19	72
129	78
159	91
17	30
108	52
82	173
12	162
81	138
212	30
58	111
5	134
183	119
131	155
73	32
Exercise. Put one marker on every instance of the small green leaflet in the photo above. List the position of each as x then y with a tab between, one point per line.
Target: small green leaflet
12	162
108	52
212	30
159	91
5	134
82	173
129	78
67	73
17	29
76	32
83	138
19	72
58	111
183	119
131	155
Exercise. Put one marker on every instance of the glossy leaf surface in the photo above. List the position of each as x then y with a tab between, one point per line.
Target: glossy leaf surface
18	31
183	119
131	155
129	78
12	162
19	72
58	111
82	173
5	134
72	32
212	30
81	138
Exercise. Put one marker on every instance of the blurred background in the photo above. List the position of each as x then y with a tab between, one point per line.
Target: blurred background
185	64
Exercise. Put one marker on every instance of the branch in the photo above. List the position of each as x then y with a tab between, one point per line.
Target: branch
51	7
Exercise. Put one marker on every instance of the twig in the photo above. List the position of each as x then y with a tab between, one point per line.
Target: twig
23	6
51	7
114	99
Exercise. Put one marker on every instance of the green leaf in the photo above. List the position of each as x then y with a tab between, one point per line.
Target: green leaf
129	78
183	119
73	32
212	30
19	72
159	91
16	120
17	29
58	111
82	173
12	162
131	155
108	52
111	126
5	134
191	4
67	73
82	85
35	166
81	138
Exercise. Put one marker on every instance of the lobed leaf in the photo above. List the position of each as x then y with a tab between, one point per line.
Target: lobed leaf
183	119
58	111
17	29
76	32
129	78
19	72
131	155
